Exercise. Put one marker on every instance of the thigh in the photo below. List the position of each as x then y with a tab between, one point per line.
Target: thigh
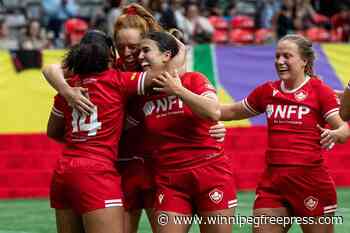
222	218
107	220
170	222
261	221
131	220
68	222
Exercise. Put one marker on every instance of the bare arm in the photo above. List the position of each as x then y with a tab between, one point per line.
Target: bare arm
206	106
54	75
55	128
234	111
345	105
339	134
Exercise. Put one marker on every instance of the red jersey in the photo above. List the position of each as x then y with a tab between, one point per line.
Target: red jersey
178	137
132	142
97	136
292	118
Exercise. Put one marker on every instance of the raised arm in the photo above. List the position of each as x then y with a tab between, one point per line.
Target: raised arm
179	61
206	105
55	76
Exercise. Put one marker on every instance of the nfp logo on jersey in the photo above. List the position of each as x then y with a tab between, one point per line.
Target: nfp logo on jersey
286	111
164	104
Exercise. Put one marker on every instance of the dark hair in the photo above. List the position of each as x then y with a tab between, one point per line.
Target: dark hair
165	42
91	55
305	50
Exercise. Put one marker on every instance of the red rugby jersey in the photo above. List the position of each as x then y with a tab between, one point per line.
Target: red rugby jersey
292	117
177	137
97	136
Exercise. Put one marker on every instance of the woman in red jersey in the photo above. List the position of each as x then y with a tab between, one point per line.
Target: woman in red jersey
192	173
85	188
298	106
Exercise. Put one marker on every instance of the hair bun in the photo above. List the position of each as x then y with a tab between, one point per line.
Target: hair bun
131	10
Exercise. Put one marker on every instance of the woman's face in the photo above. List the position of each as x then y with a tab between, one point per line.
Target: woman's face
288	61
34	28
151	57
128	42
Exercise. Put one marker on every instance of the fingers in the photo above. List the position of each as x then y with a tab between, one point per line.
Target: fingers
331	146
81	110
159	82
328	140
218	132
320	128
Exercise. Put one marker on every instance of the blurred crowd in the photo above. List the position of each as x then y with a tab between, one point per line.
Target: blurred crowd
43	24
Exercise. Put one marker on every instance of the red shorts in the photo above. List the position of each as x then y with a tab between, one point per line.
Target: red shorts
206	188
84	185
137	184
305	191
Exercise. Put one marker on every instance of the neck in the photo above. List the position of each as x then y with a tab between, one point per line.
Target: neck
294	83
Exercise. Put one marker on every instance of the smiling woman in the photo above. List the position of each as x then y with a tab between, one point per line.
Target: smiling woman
297	106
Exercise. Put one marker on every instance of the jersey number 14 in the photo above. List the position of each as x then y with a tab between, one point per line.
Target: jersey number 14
79	124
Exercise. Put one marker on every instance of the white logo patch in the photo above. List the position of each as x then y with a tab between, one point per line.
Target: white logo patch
300	95
216	196
311	203
274	92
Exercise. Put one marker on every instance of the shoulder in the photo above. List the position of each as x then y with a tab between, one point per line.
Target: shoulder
270	85
193	76
318	84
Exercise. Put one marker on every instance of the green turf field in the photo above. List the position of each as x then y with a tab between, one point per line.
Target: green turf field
35	216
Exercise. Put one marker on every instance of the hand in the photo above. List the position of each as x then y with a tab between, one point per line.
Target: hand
77	98
168	84
328	138
218	132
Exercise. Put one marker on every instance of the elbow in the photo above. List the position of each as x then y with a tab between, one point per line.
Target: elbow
215	115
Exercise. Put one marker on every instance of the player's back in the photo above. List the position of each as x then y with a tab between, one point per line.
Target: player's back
96	136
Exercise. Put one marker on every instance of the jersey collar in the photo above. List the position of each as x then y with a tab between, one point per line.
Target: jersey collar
285	90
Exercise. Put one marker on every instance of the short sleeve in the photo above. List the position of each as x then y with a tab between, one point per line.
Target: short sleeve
254	102
132	83
58	106
201	85
329	101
